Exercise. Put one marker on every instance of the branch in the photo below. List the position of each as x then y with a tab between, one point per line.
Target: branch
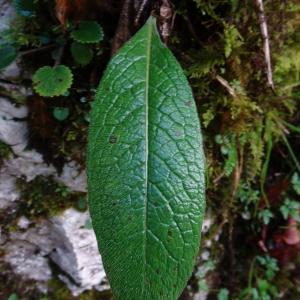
266	41
140	11
123	29
226	85
32	51
166	19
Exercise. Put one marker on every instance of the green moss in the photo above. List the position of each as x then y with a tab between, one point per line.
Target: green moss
44	197
57	290
5	151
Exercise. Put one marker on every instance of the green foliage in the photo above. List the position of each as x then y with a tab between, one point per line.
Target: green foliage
232	39
61	113
258	129
26	8
206	59
264	288
81	53
270	266
8	54
249	197
160	216
296	183
88	32
290	208
51	82
223	294
229	150
5	151
13	297
266	215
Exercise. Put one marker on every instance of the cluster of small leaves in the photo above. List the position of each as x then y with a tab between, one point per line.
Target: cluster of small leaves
249	197
229	150
56	81
51	81
9	46
264	288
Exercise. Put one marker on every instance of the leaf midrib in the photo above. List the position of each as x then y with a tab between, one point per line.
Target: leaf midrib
148	58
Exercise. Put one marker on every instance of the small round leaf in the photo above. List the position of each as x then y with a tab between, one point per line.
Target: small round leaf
88	32
8	54
50	82
81	53
61	113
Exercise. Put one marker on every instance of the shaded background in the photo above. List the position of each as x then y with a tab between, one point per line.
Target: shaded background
249	109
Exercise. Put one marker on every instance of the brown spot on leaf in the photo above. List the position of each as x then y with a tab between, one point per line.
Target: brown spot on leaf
112	139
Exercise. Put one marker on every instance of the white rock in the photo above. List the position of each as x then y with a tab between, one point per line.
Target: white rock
28	167
26	261
200	295
208	243
11	72
79	257
65	241
207	222
73	177
24	222
205	255
7	13
15	90
10	110
9	126
8	190
12	132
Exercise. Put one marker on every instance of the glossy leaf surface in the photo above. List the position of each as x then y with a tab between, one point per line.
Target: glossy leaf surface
146	171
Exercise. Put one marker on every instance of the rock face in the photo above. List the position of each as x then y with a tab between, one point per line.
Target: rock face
8	191
7	13
64	241
78	256
12	132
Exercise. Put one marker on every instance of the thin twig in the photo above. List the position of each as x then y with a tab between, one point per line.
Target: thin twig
32	51
266	41
225	84
219	177
122	33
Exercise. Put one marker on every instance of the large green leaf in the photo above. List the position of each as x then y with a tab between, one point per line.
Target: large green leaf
146	171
